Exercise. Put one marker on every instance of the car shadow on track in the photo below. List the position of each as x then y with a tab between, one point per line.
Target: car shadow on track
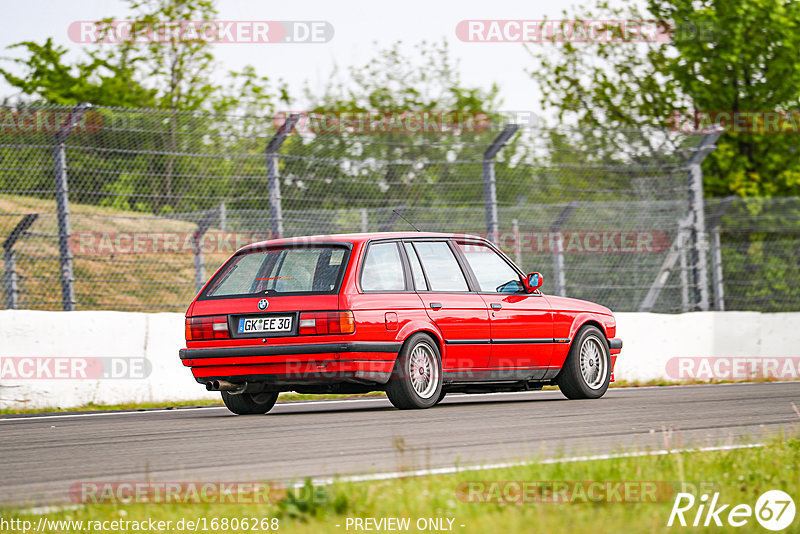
286	409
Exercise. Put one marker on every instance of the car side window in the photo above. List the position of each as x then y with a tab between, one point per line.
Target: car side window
441	266
383	269
416	268
494	274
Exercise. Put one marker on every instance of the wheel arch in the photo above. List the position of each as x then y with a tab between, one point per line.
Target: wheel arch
429	333
583	320
419	327
566	372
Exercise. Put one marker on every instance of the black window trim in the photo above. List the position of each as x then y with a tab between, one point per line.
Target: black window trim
419	261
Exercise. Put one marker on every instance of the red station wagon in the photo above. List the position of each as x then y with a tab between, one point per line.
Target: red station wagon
417	315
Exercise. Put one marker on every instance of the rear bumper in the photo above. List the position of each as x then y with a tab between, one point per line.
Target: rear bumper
291	350
315	363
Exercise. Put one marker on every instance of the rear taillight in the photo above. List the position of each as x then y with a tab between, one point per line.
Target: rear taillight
312	323
199	328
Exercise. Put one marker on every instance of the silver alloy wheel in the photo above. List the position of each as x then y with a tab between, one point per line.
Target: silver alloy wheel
593	362
423	371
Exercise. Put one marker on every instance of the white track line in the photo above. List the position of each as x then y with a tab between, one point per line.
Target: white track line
366	399
100	414
449	470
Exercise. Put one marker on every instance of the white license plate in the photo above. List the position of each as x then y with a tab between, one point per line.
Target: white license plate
265	324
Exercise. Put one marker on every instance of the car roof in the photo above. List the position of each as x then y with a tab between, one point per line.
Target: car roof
355	238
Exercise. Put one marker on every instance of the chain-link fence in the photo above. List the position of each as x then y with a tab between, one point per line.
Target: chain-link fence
133	209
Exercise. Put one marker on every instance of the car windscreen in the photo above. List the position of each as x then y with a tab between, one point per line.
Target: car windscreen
276	271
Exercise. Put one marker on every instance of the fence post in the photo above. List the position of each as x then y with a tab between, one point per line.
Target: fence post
517	244
10	274
62	205
199	264
223	216
557	238
490	183
673	256
364	221
699	263
684	281
273	180
716	252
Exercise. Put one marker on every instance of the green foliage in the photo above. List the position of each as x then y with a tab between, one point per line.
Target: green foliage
178	69
99	79
396	167
173	75
310	502
742	59
394	80
739	475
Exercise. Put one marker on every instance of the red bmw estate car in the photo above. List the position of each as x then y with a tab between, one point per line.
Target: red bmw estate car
417	315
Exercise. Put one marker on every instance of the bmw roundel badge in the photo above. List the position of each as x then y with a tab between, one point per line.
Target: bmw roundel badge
262	304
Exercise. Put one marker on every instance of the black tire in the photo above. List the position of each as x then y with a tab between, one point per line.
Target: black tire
572	381
441	396
250	403
401	389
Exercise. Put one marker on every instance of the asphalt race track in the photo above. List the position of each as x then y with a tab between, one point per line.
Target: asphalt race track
44	454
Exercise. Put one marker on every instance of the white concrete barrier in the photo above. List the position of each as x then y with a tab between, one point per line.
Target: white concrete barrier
127	338
651	340
133	357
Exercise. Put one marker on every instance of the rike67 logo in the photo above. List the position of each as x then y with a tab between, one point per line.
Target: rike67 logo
774	510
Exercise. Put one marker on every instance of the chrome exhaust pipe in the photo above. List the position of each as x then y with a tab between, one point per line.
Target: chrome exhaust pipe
224	385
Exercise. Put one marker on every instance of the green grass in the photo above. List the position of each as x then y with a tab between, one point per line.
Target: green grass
284	397
739	475
151	282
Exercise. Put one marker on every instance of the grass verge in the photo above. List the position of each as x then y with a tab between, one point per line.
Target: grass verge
284	397
739	475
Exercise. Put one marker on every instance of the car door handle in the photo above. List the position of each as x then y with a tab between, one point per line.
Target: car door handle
436	305
496	306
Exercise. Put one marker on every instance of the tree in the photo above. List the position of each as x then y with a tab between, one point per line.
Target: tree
178	68
99	79
724	55
174	74
368	116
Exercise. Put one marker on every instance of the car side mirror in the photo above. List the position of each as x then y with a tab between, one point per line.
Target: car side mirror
534	281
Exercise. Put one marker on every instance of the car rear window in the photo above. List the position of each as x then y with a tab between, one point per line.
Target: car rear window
276	271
